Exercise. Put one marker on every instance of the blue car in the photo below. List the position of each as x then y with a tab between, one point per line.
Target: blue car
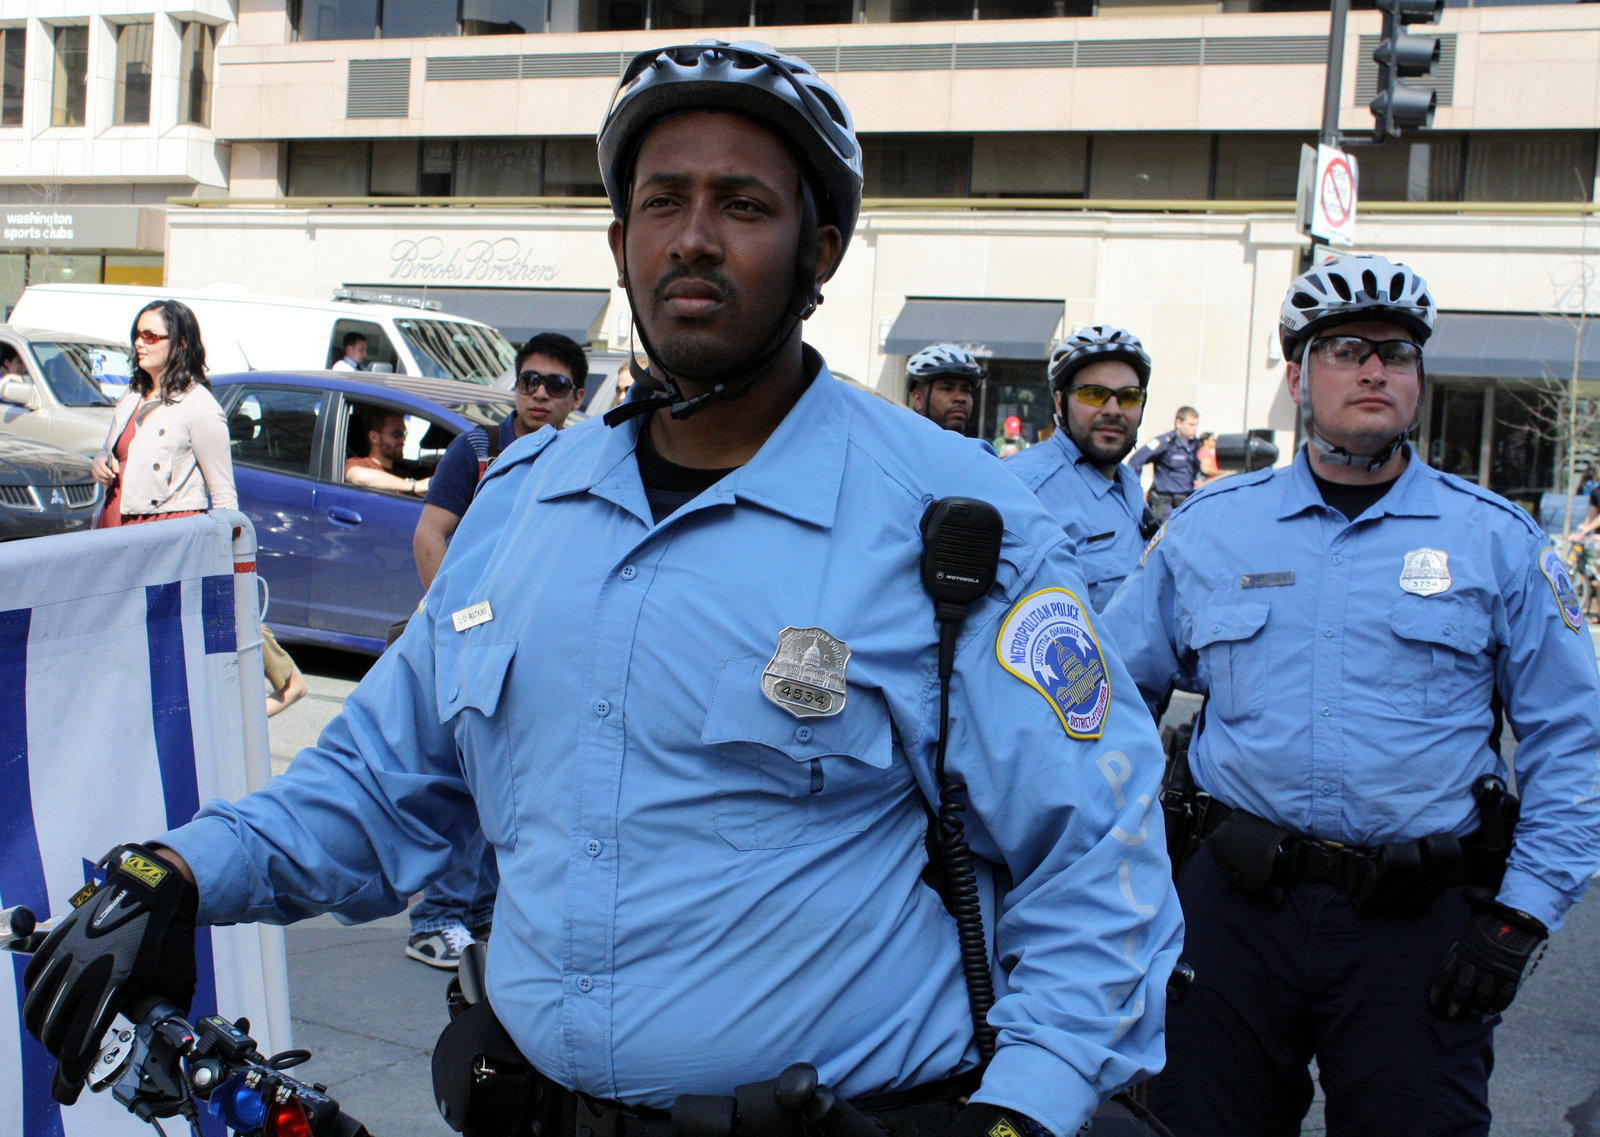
336	558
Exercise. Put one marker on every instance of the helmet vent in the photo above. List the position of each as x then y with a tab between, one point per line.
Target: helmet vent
1369	284
1340	285
1303	300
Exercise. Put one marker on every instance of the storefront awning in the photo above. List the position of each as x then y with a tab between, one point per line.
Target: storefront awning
1476	345
990	329
521	312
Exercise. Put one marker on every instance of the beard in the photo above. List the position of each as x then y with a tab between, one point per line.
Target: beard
1099	453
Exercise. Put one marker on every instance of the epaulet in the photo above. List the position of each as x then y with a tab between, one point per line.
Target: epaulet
520	452
1229	484
1489	497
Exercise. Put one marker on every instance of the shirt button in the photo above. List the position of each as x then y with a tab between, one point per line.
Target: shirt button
627	572
1447	629
1337	559
155	465
1325	789
585	984
592	847
455	693
602	708
1328	632
1326	712
161	433
803	734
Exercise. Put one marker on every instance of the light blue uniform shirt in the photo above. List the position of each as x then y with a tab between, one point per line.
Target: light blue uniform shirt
1345	706
697	887
1100	515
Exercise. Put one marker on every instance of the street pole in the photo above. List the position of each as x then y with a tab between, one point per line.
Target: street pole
1333	82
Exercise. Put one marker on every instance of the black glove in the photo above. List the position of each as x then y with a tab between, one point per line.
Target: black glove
980	1119
1481	972
131	938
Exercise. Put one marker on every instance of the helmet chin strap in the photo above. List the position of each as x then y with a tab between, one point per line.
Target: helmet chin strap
803	301
1326	451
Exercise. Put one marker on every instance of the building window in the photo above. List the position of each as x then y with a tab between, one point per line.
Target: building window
13	51
1259	167
197	60
1427	169
394	168
328	169
572	169
789	13
438	169
336	19
1150	166
1030	165
1530	166
416	18
501	17
917	11
499	167
133	73
917	165
71	76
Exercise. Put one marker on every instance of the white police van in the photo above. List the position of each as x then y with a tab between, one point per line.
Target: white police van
247	332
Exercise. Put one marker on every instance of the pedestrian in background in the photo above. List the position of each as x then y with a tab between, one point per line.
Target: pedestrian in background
943	380
167	451
1177	463
1361	890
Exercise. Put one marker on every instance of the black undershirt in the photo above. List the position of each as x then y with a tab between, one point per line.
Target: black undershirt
668	485
1352	501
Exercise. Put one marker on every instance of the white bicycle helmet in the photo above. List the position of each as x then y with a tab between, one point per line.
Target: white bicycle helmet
1096	343
943	359
783	92
1352	287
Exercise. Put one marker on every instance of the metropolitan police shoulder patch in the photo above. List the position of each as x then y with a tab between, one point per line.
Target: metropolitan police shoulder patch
1561	585
1047	642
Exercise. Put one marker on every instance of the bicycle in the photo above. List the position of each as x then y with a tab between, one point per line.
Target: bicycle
1582	558
162	1066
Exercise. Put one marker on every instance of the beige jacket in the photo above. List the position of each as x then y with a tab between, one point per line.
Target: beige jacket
179	458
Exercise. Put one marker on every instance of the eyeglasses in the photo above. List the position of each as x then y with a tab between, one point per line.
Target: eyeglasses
554	383
146	336
1352	351
1094	395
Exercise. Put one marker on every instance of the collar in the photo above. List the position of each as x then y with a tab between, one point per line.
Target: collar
1413	494
797	472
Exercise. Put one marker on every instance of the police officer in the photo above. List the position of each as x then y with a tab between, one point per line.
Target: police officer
1356	620
1099	375
680	667
943	381
1176	455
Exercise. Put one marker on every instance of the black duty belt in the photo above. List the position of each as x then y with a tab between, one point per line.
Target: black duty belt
1395	879
565	1113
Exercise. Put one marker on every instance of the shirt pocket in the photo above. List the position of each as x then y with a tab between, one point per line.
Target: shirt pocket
1236	668
784	781
1438	636
468	687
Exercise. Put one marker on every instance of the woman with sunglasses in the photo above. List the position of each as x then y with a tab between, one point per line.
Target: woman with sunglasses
166	454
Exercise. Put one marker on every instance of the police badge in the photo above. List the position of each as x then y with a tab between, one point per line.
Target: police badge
806	674
1426	572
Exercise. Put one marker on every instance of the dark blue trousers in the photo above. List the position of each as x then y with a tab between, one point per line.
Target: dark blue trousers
1276	985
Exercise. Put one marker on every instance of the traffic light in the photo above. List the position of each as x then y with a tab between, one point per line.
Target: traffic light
1401	55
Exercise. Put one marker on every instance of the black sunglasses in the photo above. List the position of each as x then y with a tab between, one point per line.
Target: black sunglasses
554	383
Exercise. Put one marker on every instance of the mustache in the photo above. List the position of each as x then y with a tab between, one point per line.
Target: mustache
683	272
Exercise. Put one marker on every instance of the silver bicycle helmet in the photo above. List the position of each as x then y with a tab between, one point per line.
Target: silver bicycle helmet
943	359
783	92
1352	287
1096	343
1355	286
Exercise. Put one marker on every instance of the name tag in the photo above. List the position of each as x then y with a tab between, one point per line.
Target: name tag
1266	579
471	617
1100	537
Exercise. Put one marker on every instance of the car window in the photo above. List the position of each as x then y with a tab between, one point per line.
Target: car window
425	441
446	349
71	372
273	429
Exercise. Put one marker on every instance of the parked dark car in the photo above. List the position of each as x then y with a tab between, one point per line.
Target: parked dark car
43	489
336	558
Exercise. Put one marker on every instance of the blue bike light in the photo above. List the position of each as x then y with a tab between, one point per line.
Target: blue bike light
237	1106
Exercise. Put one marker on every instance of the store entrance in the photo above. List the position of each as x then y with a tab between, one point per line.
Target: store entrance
1015	387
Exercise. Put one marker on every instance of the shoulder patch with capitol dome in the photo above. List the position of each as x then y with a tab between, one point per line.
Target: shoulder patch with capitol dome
1046	641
